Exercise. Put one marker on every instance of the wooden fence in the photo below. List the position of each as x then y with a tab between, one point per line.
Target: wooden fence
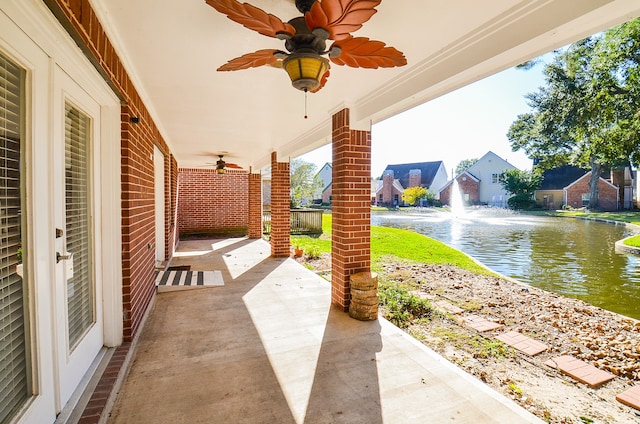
303	221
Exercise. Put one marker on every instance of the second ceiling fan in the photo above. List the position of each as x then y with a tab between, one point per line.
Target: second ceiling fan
221	165
306	39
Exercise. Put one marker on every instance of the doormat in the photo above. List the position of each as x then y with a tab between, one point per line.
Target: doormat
181	279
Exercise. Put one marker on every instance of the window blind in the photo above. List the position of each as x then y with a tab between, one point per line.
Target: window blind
14	363
80	291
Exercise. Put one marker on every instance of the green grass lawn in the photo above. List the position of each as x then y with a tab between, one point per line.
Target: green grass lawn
412	246
633	241
319	244
624	216
402	244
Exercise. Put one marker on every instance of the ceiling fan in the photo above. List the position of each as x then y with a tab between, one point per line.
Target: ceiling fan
221	165
306	39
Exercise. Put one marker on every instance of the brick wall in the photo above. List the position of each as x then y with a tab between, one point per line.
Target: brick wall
445	195
137	176
212	204
388	190
351	235
607	193
327	195
617	179
415	178
466	185
255	206
470	187
138	218
280	208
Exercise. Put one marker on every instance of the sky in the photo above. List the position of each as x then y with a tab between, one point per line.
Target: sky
464	124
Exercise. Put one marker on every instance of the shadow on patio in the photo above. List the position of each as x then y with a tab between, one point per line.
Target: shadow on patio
267	347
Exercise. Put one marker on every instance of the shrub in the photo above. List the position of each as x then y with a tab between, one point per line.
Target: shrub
401	307
521	201
313	253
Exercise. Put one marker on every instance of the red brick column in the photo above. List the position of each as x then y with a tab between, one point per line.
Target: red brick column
255	206
351	228
280	208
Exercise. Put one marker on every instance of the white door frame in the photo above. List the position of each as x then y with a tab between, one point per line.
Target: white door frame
31	35
41	407
158	170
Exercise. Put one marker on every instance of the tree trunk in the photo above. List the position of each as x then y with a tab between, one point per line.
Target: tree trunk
596	171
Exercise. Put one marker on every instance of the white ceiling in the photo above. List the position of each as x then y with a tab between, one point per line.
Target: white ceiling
172	48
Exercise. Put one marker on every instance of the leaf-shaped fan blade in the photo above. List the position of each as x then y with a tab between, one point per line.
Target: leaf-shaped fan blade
361	52
340	17
251	60
323	81
252	17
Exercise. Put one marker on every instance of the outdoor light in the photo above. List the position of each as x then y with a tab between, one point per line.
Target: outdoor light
305	70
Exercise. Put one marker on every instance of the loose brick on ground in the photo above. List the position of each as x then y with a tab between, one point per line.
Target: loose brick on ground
479	323
630	397
523	343
448	307
580	370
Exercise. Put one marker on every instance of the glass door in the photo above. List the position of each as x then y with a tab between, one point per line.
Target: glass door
77	295
15	360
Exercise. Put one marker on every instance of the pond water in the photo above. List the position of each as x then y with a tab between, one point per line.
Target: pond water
572	257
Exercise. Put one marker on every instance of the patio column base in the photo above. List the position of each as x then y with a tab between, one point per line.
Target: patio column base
364	296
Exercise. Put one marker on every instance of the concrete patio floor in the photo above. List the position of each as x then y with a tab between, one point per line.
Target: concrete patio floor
268	347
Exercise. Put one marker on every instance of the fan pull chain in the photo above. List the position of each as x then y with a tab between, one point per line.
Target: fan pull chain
305	103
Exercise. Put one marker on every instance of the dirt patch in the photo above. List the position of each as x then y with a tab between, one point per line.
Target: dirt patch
570	327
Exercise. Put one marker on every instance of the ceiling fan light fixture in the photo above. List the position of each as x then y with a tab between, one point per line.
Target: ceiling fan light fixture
305	70
306	39
220	166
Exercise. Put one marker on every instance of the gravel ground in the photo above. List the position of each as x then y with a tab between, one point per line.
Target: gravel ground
570	327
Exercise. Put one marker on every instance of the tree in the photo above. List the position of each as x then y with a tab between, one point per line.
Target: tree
465	164
522	184
413	195
304	182
587	113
